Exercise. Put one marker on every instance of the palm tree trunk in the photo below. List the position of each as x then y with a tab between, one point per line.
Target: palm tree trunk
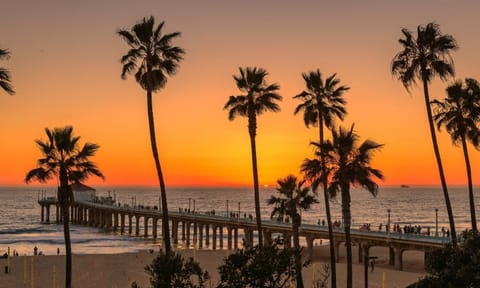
470	185
348	241
65	197
163	192
252	127
68	245
298	256
453	232
326	197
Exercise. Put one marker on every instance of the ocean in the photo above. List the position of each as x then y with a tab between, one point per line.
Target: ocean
21	230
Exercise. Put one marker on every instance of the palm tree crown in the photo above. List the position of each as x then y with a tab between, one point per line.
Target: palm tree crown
62	153
5	74
349	163
424	57
292	198
322	99
460	112
259	96
151	54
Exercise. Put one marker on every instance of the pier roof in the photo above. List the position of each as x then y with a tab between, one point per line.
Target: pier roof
77	186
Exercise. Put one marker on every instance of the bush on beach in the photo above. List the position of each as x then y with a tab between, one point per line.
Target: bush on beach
454	266
175	271
269	266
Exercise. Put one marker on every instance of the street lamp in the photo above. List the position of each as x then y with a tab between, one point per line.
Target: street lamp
367	259
436	222
388	222
193	205
239	209
227	207
189	199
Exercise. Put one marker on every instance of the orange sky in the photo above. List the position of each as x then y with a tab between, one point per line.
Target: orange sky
66	70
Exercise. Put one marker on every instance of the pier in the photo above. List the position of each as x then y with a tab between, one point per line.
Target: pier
210	230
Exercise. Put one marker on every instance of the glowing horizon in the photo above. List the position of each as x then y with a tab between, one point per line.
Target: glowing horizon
66	71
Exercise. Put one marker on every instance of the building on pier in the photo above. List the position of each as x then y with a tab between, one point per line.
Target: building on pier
82	192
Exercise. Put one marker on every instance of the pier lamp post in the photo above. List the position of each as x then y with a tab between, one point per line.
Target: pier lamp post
238	209
227	207
193	205
436	222
189	199
388	220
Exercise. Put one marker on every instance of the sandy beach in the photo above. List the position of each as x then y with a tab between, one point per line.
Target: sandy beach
120	270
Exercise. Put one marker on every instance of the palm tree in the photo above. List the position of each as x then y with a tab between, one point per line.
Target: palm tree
322	103
153	58
423	58
348	164
460	114
292	198
67	162
258	97
5	74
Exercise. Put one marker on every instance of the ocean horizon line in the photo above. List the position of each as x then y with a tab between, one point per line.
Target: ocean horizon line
233	186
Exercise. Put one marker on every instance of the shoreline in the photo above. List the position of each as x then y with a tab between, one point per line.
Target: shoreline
120	270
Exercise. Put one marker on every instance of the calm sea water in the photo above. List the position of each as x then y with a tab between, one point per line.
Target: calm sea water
20	226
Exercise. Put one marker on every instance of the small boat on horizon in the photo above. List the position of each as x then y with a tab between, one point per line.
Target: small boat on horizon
404	186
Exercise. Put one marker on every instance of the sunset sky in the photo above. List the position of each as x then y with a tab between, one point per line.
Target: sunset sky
66	71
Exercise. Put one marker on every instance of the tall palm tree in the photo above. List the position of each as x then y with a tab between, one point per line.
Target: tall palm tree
322	102
258	97
67	162
423	58
348	164
292	198
460	114
153	58
5	81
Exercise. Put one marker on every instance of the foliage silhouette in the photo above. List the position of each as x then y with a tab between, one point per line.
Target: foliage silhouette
291	199
172	270
460	114
258	97
268	266
152	58
348	163
424	57
322	102
453	267
67	162
5	77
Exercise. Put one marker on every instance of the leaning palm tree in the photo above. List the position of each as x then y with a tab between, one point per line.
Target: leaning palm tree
291	200
258	97
322	102
348	164
67	162
153	58
423	58
5	81
460	114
